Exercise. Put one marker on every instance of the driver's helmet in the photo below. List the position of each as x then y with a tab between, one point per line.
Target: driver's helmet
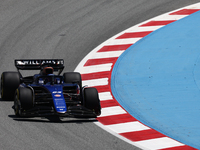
47	70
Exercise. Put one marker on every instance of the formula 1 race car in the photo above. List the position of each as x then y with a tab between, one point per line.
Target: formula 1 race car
45	93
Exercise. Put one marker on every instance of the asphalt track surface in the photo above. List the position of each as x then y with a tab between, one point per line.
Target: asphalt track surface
68	30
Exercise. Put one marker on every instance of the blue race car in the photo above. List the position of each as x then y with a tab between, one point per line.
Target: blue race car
46	94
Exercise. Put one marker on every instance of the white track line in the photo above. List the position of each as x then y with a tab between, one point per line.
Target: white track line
109	111
127	127
105	96
96	68
107	54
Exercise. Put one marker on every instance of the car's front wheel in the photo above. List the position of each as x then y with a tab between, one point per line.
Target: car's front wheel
23	100
17	106
91	100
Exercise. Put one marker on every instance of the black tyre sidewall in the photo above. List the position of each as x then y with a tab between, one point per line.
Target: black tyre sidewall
73	77
25	96
10	81
91	99
17	107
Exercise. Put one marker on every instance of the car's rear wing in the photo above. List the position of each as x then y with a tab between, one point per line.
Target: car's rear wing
36	64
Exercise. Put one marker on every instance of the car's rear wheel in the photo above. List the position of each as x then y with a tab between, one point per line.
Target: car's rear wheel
73	77
23	100
10	81
91	100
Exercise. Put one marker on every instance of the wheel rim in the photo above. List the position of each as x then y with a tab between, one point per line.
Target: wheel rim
16	106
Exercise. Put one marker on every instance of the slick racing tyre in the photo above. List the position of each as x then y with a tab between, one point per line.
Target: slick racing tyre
17	106
91	100
73	77
10	81
23	100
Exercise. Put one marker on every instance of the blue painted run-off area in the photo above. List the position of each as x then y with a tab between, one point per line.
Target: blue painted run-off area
157	80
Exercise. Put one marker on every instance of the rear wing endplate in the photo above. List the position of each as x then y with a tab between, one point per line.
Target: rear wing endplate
37	64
